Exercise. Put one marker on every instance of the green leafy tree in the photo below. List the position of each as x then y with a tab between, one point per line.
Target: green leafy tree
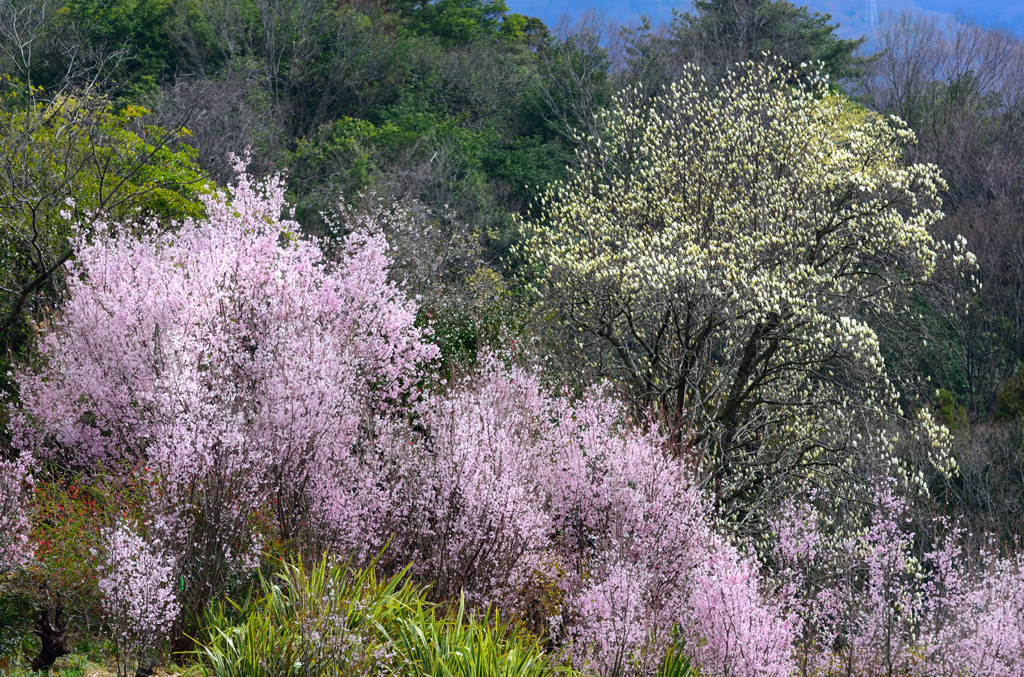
457	22
140	26
78	161
719	33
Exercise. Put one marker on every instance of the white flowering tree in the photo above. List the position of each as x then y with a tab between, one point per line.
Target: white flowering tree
717	248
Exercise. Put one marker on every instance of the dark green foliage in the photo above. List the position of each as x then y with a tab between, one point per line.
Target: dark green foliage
139	26
949	413
721	32
1011	398
524	164
16	613
462	22
455	22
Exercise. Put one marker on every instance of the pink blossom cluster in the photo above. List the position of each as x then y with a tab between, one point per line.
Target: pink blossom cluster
506	482
466	487
855	594
226	366
229	368
138	594
973	615
15	480
637	537
868	606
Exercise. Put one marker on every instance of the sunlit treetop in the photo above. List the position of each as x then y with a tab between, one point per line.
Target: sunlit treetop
720	247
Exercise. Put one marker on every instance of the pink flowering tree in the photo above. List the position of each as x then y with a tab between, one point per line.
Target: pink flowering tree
139	601
867	605
645	566
233	374
15	479
506	482
855	593
973	612
231	368
465	490
990	639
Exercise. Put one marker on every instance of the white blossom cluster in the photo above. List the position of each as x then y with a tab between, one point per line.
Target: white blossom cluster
721	245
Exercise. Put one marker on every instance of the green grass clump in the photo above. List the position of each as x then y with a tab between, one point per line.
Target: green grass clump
676	664
459	647
330	620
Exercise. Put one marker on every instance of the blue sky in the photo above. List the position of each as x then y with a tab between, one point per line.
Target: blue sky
852	15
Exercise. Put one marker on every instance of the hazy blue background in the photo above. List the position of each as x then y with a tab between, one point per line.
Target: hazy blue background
852	15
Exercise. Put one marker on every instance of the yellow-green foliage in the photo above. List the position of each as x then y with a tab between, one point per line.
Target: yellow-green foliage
948	411
69	161
101	158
